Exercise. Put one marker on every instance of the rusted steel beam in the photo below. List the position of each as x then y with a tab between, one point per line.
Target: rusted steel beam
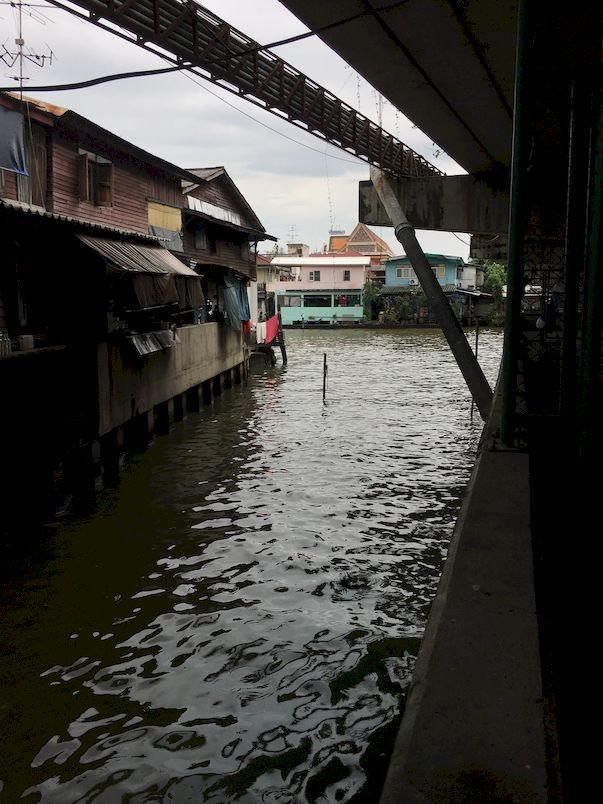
457	340
194	36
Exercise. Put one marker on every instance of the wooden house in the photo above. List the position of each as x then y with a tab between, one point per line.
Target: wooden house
109	254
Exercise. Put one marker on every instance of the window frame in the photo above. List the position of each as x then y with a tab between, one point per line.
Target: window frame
95	179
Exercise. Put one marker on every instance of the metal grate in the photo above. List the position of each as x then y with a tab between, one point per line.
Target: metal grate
190	35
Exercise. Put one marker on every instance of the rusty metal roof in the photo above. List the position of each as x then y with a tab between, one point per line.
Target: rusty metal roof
40	212
136	257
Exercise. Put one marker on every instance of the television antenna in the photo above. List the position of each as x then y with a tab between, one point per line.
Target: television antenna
22	54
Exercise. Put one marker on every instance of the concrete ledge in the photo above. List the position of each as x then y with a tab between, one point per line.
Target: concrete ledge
473	726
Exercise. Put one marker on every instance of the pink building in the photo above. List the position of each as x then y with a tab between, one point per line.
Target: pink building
324	288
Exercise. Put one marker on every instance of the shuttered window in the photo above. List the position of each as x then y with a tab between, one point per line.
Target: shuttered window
95	179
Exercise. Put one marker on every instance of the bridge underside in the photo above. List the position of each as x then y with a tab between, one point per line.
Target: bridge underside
512	91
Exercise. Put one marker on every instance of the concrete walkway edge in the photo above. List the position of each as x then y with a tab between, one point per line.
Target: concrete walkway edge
473	725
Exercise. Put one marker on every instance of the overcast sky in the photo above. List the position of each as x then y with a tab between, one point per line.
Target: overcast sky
298	186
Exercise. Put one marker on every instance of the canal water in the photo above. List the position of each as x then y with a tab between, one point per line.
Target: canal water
237	621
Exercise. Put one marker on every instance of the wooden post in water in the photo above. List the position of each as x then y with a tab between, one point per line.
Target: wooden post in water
476	334
324	377
281	340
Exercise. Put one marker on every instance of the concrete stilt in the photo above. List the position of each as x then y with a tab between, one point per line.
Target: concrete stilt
82	475
178	403
161	418
109	448
192	399
206	392
136	431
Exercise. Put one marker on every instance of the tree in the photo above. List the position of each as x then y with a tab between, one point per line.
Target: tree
495	276
369	296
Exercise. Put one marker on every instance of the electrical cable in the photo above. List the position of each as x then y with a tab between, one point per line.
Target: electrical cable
191	68
140	73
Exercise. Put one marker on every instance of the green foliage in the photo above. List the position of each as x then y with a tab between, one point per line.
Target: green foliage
404	308
495	276
390	316
369	296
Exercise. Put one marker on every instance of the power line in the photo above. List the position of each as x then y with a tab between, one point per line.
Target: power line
192	69
103	79
162	70
251	117
461	239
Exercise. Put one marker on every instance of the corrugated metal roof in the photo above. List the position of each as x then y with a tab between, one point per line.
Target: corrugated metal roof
43	106
136	257
255	233
40	212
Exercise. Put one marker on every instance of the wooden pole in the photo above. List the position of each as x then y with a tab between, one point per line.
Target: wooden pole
324	377
281	340
476	334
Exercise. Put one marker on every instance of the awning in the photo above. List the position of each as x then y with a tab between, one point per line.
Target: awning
159	277
136	257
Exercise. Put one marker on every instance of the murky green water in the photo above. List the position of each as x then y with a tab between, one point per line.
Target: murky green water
239	619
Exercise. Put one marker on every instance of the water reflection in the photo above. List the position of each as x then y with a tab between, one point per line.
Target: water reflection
239	620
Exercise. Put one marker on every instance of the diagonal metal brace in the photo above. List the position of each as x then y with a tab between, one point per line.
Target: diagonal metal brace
457	340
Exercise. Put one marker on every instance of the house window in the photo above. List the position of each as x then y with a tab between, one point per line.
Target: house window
346	276
200	238
441	271
348	300
95	179
405	273
289	301
318	301
314	276
459	273
31	189
398	273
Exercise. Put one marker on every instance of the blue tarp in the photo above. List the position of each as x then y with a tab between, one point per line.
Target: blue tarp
12	147
236	303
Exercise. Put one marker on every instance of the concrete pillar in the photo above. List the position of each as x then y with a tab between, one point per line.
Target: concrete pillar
227	378
206	392
178	407
192	399
82	475
217	385
109	449
161	418
136	431
237	374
